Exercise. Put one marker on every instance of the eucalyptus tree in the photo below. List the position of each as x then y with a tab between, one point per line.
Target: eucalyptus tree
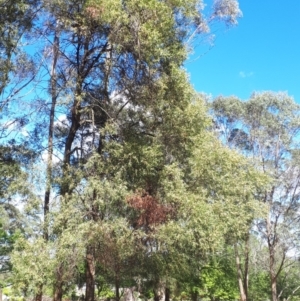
266	129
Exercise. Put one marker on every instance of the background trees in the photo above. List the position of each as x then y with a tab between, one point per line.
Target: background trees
265	129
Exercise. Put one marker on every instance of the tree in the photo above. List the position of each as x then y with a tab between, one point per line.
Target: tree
16	19
132	146
13	185
265	128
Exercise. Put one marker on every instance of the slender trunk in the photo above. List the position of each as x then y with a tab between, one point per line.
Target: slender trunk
75	124
239	275
274	288
271	238
246	270
90	275
90	259
273	276
194	296
0	294
167	294
117	286
58	284
50	134
39	295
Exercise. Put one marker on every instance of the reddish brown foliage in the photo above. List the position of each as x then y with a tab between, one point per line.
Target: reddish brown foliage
94	12
149	211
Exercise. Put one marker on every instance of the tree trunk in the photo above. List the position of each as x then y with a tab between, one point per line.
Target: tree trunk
50	134
58	291
117	286
39	295
156	296
167	294
158	291
246	269
58	285
90	275
274	288
194	296
75	125
272	242
243	296
273	276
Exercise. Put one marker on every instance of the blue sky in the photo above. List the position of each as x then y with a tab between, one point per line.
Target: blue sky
261	53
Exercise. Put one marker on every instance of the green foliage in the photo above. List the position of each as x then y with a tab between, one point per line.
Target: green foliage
105	292
7	241
16	18
218	281
259	286
30	274
10	294
13	185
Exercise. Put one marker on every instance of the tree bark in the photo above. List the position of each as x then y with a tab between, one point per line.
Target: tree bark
117	287
58	290
90	275
39	295
194	296
167	294
50	134
246	269
274	288
273	276
75	125
58	285
272	242
243	296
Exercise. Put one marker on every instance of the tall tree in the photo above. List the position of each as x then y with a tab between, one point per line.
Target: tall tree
117	78
266	128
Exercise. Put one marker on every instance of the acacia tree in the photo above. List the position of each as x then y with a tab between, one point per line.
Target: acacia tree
265	128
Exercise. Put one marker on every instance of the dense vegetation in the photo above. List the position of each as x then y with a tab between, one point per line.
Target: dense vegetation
117	177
